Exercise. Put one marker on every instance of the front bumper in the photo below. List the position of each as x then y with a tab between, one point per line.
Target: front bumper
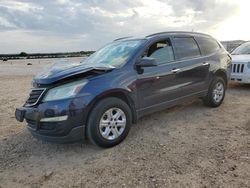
76	134
240	72
240	77
56	121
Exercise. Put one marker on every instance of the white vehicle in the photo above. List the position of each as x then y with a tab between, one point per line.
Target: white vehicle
241	64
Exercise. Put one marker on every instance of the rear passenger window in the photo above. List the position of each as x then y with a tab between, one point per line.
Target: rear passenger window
207	45
186	47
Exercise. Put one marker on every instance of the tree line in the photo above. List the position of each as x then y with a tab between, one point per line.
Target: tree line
24	55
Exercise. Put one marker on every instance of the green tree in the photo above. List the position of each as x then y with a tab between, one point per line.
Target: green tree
23	54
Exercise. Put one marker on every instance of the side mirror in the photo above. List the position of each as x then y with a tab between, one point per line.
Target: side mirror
146	62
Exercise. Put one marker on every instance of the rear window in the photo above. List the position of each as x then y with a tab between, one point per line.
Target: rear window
207	45
186	47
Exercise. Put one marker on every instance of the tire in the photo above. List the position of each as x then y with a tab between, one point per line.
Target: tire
210	99
105	128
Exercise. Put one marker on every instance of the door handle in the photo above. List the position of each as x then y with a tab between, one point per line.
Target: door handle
175	70
205	63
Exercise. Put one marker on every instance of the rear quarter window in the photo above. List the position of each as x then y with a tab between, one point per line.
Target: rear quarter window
207	45
186	47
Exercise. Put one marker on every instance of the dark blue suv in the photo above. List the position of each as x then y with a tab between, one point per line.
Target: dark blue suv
102	96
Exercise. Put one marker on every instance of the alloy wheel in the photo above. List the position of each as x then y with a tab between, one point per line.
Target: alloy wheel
218	92
112	123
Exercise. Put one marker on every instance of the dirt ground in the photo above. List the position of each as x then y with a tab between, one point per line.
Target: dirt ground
186	146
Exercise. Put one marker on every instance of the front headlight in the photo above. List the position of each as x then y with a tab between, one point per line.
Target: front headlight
248	65
65	91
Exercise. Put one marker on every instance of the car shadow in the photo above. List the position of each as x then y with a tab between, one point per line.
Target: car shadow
239	86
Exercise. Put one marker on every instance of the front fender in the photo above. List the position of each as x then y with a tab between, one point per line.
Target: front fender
124	94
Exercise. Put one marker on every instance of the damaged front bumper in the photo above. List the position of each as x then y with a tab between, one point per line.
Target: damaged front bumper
56	121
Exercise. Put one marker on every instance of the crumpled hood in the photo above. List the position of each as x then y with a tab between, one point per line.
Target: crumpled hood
241	58
65	69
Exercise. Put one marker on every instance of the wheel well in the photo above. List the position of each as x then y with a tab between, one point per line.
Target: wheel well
222	74
121	96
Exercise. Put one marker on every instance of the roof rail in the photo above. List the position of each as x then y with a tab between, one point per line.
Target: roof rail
169	32
123	38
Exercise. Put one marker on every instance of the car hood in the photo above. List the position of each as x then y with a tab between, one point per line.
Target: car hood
65	69
241	58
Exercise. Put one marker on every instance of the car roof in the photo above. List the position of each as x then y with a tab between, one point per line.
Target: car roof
167	33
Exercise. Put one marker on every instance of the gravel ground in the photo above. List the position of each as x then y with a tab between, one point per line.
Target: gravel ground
186	146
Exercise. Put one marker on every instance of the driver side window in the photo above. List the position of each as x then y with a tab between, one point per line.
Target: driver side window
161	51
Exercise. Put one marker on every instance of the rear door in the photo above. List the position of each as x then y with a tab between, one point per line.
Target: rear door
193	70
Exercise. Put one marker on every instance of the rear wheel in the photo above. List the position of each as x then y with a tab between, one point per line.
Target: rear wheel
216	93
109	122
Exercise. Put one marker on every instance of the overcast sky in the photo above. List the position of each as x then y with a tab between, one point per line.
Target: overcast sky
74	25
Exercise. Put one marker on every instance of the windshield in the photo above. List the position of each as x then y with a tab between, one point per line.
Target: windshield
115	54
242	49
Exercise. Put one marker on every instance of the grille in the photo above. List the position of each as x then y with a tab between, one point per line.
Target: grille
238	68
31	123
43	126
34	97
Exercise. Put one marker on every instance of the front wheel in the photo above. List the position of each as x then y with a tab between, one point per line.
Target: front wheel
216	93
109	122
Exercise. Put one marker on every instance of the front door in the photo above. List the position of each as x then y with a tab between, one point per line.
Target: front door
156	85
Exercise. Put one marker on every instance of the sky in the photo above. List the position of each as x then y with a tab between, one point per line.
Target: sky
76	25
